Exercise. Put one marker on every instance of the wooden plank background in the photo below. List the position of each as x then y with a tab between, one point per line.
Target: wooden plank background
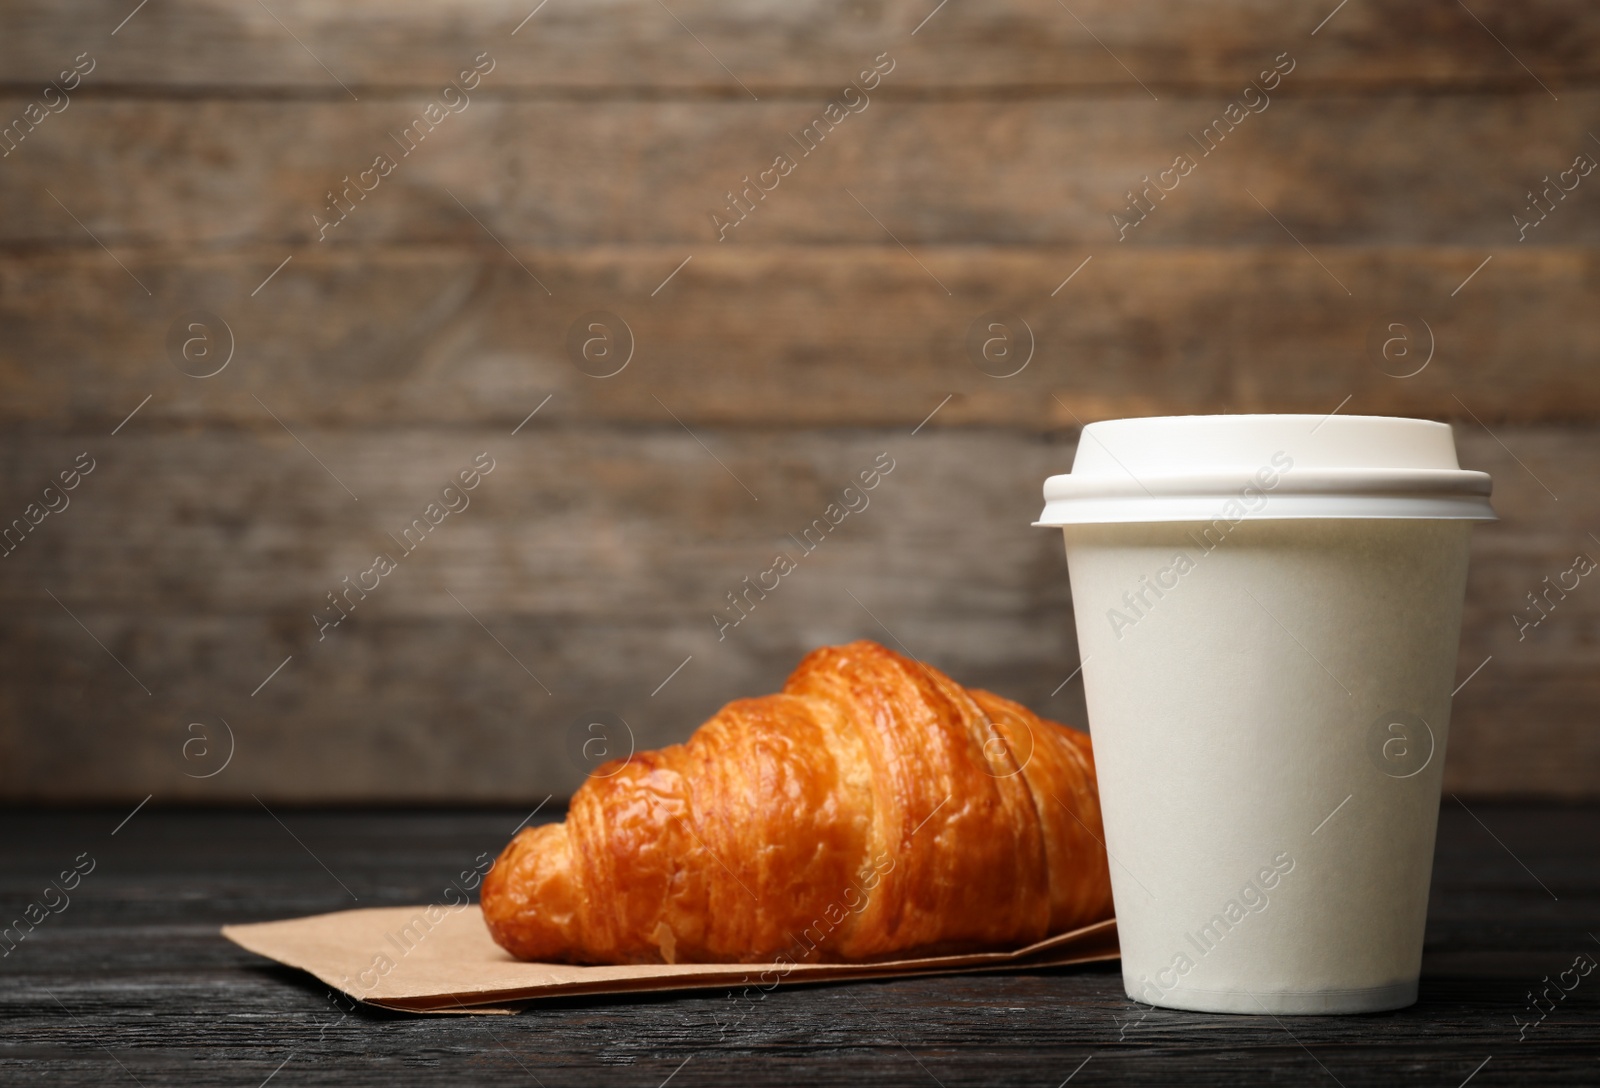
586	165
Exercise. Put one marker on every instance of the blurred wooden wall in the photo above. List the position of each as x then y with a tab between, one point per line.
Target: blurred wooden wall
157	196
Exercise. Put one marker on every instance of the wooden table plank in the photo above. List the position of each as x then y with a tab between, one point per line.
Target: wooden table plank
131	980
796	336
199	559
1438	169
309	47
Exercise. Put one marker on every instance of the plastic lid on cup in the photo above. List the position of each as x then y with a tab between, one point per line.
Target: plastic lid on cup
1200	468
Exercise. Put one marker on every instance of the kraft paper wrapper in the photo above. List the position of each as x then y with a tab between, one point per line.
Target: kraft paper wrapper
457	967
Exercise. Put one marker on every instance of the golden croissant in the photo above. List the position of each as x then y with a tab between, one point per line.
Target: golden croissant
874	809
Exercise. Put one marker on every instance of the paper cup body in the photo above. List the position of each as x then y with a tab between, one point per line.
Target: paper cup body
1269	699
1269	736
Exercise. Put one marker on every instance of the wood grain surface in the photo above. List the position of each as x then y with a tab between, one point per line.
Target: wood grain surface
211	172
797	336
467	668
637	47
164	204
132	981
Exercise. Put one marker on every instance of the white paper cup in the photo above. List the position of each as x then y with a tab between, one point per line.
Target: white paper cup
1268	611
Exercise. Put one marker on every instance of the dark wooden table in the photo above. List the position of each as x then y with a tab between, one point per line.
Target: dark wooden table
130	981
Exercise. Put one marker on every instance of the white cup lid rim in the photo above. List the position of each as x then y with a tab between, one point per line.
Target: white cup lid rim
1186	468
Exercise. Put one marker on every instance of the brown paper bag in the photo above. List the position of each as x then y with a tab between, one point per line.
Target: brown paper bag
442	959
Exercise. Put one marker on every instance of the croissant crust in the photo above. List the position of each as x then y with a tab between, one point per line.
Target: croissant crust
873	809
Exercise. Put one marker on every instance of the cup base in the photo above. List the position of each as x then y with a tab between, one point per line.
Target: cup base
1287	1003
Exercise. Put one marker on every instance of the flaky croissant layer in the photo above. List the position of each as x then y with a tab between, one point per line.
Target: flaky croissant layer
873	809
